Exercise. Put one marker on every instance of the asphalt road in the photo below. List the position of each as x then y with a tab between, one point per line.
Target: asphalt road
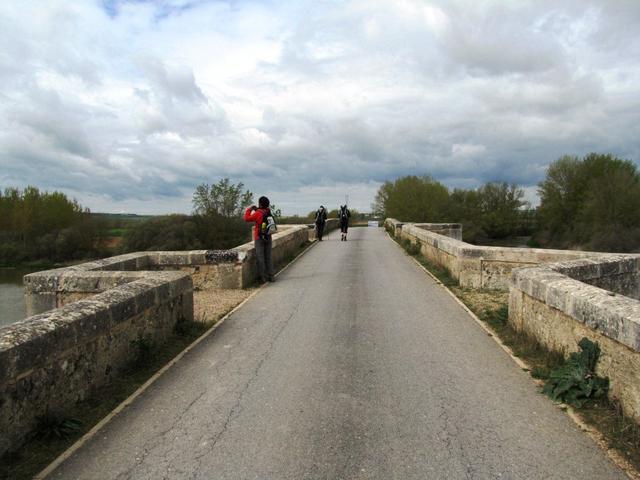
353	365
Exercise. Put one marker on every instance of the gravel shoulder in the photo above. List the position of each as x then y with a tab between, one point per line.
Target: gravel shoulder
211	305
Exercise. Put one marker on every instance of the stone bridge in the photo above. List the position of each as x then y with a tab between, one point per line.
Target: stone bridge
354	364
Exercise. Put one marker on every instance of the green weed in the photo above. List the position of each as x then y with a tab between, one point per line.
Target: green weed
575	381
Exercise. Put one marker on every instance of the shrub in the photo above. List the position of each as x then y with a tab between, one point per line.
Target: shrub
186	232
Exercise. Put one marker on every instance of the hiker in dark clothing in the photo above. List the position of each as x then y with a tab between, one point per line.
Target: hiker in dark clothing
343	216
321	219
264	227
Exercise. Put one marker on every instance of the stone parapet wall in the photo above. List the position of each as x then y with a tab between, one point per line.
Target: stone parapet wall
560	303
330	225
450	230
285	244
234	268
479	266
393	226
51	361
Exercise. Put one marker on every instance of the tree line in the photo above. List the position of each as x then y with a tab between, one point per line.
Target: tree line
495	210
585	203
44	228
47	226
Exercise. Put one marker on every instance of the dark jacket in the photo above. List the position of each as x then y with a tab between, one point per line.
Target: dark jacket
321	216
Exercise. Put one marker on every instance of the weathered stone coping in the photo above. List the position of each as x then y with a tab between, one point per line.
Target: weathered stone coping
50	361
468	250
247	250
434	227
562	286
394	225
28	344
479	266
145	260
330	225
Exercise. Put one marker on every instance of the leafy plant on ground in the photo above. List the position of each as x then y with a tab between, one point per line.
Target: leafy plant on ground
51	426
575	382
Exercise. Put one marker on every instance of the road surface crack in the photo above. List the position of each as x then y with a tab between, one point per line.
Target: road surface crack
237	407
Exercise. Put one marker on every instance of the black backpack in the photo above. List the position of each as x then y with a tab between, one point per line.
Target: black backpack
268	225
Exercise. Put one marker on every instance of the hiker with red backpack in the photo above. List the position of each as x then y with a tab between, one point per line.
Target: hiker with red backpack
265	226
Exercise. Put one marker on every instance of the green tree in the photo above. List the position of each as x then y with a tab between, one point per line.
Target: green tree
465	208
593	202
500	205
562	195
224	198
492	211
412	198
36	225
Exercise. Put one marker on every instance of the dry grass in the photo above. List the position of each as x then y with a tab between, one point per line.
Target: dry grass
481	300
211	305
620	432
491	306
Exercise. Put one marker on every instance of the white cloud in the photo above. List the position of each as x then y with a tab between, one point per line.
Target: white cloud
467	150
132	104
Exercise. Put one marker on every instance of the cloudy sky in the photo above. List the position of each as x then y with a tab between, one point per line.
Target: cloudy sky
128	105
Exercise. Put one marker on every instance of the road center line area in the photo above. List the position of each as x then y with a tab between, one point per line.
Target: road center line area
353	365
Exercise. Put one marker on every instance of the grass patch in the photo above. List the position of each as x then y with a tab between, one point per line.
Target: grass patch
415	250
621	432
491	306
55	426
57	432
116	232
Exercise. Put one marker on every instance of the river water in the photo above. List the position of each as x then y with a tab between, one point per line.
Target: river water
12	306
